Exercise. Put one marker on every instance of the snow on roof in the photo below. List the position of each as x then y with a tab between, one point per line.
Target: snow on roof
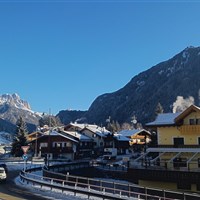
101	131
164	119
78	135
81	126
55	133
129	133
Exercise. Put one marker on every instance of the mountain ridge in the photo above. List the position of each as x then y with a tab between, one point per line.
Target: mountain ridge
161	83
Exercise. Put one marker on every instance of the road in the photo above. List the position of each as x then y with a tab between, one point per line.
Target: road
11	191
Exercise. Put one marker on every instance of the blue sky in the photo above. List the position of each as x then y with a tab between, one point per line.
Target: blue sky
61	55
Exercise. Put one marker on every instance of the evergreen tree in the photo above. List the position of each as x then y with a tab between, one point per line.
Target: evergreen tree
126	126
20	138
49	120
114	126
159	109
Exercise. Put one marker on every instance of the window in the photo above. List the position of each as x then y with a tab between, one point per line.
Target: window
198	121
57	144
68	144
180	162
44	144
192	122
178	142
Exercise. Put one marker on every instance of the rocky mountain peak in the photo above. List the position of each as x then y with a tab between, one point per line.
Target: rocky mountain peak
15	101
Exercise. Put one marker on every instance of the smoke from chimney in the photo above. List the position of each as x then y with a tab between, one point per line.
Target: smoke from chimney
181	104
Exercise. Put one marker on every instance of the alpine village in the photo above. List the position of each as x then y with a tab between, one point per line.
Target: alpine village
147	133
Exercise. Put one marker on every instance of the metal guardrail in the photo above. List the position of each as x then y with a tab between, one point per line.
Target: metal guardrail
71	186
102	189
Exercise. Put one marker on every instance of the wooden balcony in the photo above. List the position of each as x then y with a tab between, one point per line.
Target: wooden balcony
57	150
189	129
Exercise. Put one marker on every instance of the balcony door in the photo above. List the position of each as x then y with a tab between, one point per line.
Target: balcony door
178	142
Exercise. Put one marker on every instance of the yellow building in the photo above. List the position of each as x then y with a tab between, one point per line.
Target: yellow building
176	159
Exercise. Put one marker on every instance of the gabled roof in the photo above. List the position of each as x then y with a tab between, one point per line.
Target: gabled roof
55	133
164	119
129	133
77	135
120	137
80	126
67	136
100	131
34	135
186	112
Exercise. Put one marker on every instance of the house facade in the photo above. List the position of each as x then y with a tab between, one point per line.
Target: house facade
138	138
96	133
175	162
85	146
54	145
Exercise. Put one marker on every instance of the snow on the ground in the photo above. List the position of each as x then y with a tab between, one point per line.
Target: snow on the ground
45	192
5	138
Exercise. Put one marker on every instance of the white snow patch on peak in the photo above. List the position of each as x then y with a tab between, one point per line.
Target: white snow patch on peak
160	72
141	83
185	54
14	100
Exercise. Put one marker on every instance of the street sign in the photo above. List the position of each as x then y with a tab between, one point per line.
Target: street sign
25	149
25	157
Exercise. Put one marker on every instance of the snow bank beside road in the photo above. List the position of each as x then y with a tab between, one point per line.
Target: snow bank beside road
45	192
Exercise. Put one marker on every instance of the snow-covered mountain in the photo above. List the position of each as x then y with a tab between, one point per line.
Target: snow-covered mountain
15	101
11	108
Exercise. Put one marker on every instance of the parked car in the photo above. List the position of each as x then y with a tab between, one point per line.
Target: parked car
3	175
5	167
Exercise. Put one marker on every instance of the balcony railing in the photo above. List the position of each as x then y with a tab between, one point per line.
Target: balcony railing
57	150
178	146
192	129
